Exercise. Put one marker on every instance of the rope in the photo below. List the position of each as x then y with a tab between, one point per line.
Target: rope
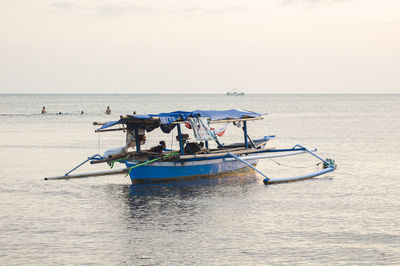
115	161
291	166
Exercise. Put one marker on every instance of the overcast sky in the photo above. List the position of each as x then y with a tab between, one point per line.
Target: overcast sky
199	46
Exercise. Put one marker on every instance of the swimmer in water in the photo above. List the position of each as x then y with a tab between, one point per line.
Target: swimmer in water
44	110
108	111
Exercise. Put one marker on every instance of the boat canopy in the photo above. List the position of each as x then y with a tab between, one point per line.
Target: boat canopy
166	119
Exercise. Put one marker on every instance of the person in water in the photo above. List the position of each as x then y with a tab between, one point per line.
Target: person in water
82	112
44	110
108	111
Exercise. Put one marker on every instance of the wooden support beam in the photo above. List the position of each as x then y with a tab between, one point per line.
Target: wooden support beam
246	145
111	129
226	120
181	149
98	123
100	173
237	152
233	120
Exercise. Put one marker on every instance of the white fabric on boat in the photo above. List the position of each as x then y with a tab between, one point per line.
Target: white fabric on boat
113	151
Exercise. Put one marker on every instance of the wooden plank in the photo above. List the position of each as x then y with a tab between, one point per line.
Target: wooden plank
242	151
269	155
236	120
225	120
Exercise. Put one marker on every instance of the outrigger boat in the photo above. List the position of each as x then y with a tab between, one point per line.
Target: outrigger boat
194	159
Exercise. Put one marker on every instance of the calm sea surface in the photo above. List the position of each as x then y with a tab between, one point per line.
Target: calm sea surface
350	216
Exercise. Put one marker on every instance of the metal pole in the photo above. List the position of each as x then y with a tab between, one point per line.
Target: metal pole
313	154
180	139
248	164
82	163
246	145
137	140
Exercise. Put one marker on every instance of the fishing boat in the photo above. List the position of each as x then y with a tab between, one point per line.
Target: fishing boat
235	92
195	158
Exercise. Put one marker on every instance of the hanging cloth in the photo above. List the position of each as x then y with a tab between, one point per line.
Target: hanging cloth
220	132
201	129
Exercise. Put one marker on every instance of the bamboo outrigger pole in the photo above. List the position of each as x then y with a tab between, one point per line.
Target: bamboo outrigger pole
100	173
91	174
248	164
330	167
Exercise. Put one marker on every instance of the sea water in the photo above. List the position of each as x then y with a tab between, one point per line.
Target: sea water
350	216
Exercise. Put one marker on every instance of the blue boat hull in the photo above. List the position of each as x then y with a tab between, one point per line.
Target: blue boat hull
185	170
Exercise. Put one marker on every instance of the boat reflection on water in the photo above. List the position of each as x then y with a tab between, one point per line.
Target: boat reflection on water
173	199
188	189
170	221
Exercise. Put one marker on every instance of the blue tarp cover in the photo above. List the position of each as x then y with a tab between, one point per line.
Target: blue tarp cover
168	118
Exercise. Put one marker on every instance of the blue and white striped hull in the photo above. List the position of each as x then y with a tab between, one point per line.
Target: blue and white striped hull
185	170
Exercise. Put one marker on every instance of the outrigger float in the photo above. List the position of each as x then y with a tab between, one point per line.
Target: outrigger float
194	159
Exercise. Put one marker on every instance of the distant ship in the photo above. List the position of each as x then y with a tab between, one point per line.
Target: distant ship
235	92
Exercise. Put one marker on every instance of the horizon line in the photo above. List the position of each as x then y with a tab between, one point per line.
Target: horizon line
176	93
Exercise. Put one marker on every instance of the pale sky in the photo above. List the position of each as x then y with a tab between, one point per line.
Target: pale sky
199	46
